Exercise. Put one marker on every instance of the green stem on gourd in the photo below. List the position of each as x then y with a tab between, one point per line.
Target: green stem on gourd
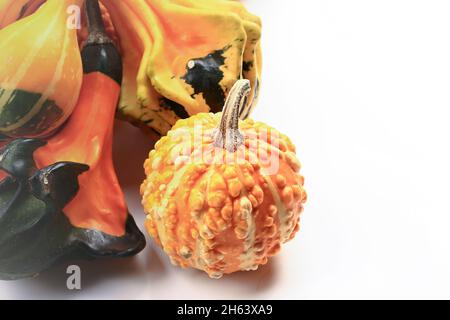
228	135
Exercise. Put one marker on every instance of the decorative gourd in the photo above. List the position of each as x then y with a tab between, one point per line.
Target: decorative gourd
222	195
182	57
63	218
41	74
34	232
87	136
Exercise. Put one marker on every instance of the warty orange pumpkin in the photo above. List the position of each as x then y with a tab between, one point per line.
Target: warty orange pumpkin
222	194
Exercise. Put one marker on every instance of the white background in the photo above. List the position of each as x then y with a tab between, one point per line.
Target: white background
362	87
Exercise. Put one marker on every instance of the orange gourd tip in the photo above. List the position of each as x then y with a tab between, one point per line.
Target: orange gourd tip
223	194
87	136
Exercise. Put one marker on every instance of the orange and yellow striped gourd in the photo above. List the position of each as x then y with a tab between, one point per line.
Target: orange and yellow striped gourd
40	71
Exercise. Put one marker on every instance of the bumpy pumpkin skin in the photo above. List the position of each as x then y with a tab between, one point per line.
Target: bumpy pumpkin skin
181	57
215	217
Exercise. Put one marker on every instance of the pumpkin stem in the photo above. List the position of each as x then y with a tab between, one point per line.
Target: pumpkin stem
228	135
96	27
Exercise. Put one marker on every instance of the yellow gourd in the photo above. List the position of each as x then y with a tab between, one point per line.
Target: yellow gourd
13	10
222	194
181	57
41	71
